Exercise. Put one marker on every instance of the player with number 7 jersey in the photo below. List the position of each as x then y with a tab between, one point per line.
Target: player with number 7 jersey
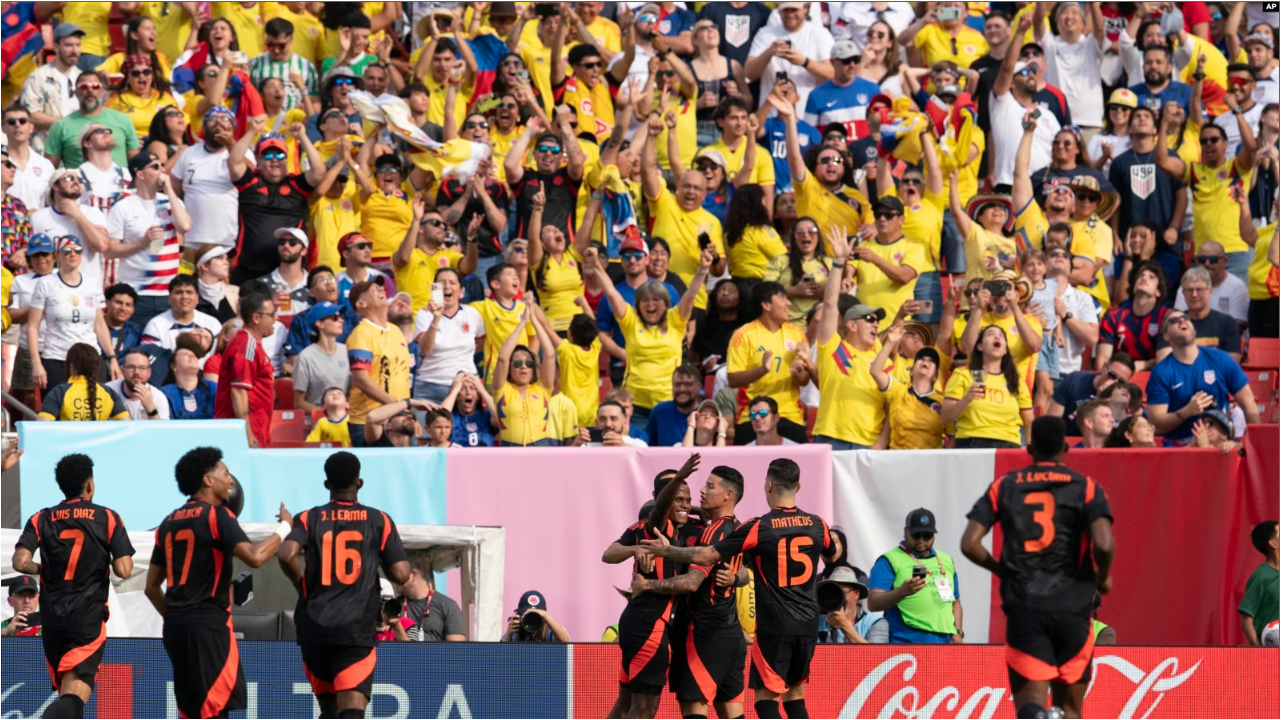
338	599
195	545
79	542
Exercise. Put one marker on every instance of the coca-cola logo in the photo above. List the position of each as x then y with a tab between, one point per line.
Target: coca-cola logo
909	701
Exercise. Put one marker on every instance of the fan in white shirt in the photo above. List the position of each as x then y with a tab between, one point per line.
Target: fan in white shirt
144	229
182	316
611	422
202	178
143	400
448	334
762	413
66	217
32	171
73	309
104	182
797	48
1075	59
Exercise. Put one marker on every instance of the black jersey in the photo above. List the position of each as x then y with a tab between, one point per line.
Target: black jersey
344	542
194	545
651	607
1045	512
77	541
712	607
783	548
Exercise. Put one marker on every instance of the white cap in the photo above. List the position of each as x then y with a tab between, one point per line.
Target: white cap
293	232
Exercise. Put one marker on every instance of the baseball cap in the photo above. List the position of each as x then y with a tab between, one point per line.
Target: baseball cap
39	243
532	600
842	49
1258	38
323	310
292	232
791	6
548	137
846	575
920	520
633	243
387	159
67	29
653	9
889	202
359	289
90	129
861	310
272	140
1220	417
141	160
408	298
835	127
1022	65
211	252
23	583
348	240
1123	97
928	353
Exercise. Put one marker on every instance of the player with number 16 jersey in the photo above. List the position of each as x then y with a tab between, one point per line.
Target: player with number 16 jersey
338	599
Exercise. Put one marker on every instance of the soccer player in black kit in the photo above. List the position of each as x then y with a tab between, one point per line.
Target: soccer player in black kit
643	627
709	667
784	545
194	548
1057	550
338	599
78	543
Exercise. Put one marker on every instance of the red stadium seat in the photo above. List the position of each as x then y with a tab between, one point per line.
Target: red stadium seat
1141	379
709	386
1263	383
290	425
284	394
811	416
1262	353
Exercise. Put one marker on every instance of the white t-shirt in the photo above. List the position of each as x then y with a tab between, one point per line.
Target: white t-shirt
69	314
1082	308
786	441
812	40
1119	143
852	20
1228	121
275	345
210	196
1075	68
158	399
627	441
163	330
148	271
455	347
103	188
1007	129
24	286
1229	298
31	183
55	225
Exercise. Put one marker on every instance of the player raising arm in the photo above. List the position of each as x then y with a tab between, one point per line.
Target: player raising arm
1049	515
78	541
338	600
785	544
192	545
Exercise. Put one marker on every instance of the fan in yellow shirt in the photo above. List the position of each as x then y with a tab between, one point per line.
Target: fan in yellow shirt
984	224
522	386
753	241
437	65
915	404
141	38
309	34
386	211
888	266
1023	332
173	25
422	254
587	88
578	358
1214	212
501	314
769	357
988	413
333	426
92	18
733	115
672	90
946	39
335	212
653	332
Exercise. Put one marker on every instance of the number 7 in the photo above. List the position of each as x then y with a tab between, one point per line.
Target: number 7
79	537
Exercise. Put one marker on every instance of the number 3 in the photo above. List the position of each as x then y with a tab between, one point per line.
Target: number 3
1043	517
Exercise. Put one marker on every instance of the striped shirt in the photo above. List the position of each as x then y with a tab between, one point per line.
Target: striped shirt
150	270
263	67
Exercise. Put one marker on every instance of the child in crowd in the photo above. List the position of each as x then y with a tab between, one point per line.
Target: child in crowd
333	426
440	427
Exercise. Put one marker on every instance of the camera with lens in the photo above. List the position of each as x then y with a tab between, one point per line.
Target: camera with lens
830	595
998	288
532	623
393	607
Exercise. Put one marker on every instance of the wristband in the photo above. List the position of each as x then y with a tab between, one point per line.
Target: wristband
282	530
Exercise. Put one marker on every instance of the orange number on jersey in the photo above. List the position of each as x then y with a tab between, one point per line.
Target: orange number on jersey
78	536
794	550
188	537
1043	517
348	557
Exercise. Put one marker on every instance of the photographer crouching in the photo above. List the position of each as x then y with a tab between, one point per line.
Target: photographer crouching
532	623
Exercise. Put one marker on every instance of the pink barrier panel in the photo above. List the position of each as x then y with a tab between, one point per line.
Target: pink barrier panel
563	506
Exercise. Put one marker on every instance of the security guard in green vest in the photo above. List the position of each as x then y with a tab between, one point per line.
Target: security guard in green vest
916	587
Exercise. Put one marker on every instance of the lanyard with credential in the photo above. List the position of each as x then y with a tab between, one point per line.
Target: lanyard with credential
426	611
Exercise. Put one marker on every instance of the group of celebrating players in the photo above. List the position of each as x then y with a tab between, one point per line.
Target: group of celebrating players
1057	552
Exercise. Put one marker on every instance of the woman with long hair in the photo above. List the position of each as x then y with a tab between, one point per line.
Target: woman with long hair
140	39
718	77
557	266
880	56
167	135
706	427
725	314
804	270
784	213
447	335
660	255
1134	431
73	313
523	387
985	400
81	397
142	92
753	242
1115	138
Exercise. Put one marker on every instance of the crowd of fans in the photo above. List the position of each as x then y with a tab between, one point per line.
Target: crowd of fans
629	224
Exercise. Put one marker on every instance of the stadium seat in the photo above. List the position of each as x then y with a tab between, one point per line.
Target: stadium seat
1141	379
811	415
289	425
1262	353
1263	383
284	394
709	386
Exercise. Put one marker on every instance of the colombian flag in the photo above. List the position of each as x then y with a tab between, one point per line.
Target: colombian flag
901	137
22	43
488	49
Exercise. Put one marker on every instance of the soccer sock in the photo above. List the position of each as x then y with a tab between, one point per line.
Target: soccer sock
767	709
1030	710
351	713
796	708
66	706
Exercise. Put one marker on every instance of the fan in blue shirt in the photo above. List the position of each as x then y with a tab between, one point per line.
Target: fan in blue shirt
194	404
1191	380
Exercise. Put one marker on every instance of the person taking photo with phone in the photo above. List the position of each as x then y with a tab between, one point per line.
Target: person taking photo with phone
916	587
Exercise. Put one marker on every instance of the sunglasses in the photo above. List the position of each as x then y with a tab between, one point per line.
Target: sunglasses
173	114
707	166
884	215
971	292
831	160
16	121
912	181
91	87
388	170
361	246
589	65
70	250
702	28
666	73
922	535
520	364
281	45
1058	253
1206	260
1112	374
1210	140
1064	143
288	241
509	106
145	72
758	414
1025	72
847	61
274	155
512	63
632	256
519	249
869	318
473	124
154	166
8	165
434	222
805	232
1088	197
1238	82
877	35
340	82
553	149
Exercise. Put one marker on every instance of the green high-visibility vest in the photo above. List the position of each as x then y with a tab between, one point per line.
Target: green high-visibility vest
1098	628
925	610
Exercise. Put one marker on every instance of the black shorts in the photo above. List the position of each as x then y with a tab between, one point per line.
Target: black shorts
646	655
79	652
1048	647
713	667
780	662
338	668
208	678
677	630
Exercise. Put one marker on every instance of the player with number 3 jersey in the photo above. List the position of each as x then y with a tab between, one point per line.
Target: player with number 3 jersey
1056	552
195	545
338	599
78	543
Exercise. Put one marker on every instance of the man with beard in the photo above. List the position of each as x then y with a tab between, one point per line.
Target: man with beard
200	176
288	282
63	145
48	93
66	216
1013	95
378	355
270	199
1241	87
1158	87
357	254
